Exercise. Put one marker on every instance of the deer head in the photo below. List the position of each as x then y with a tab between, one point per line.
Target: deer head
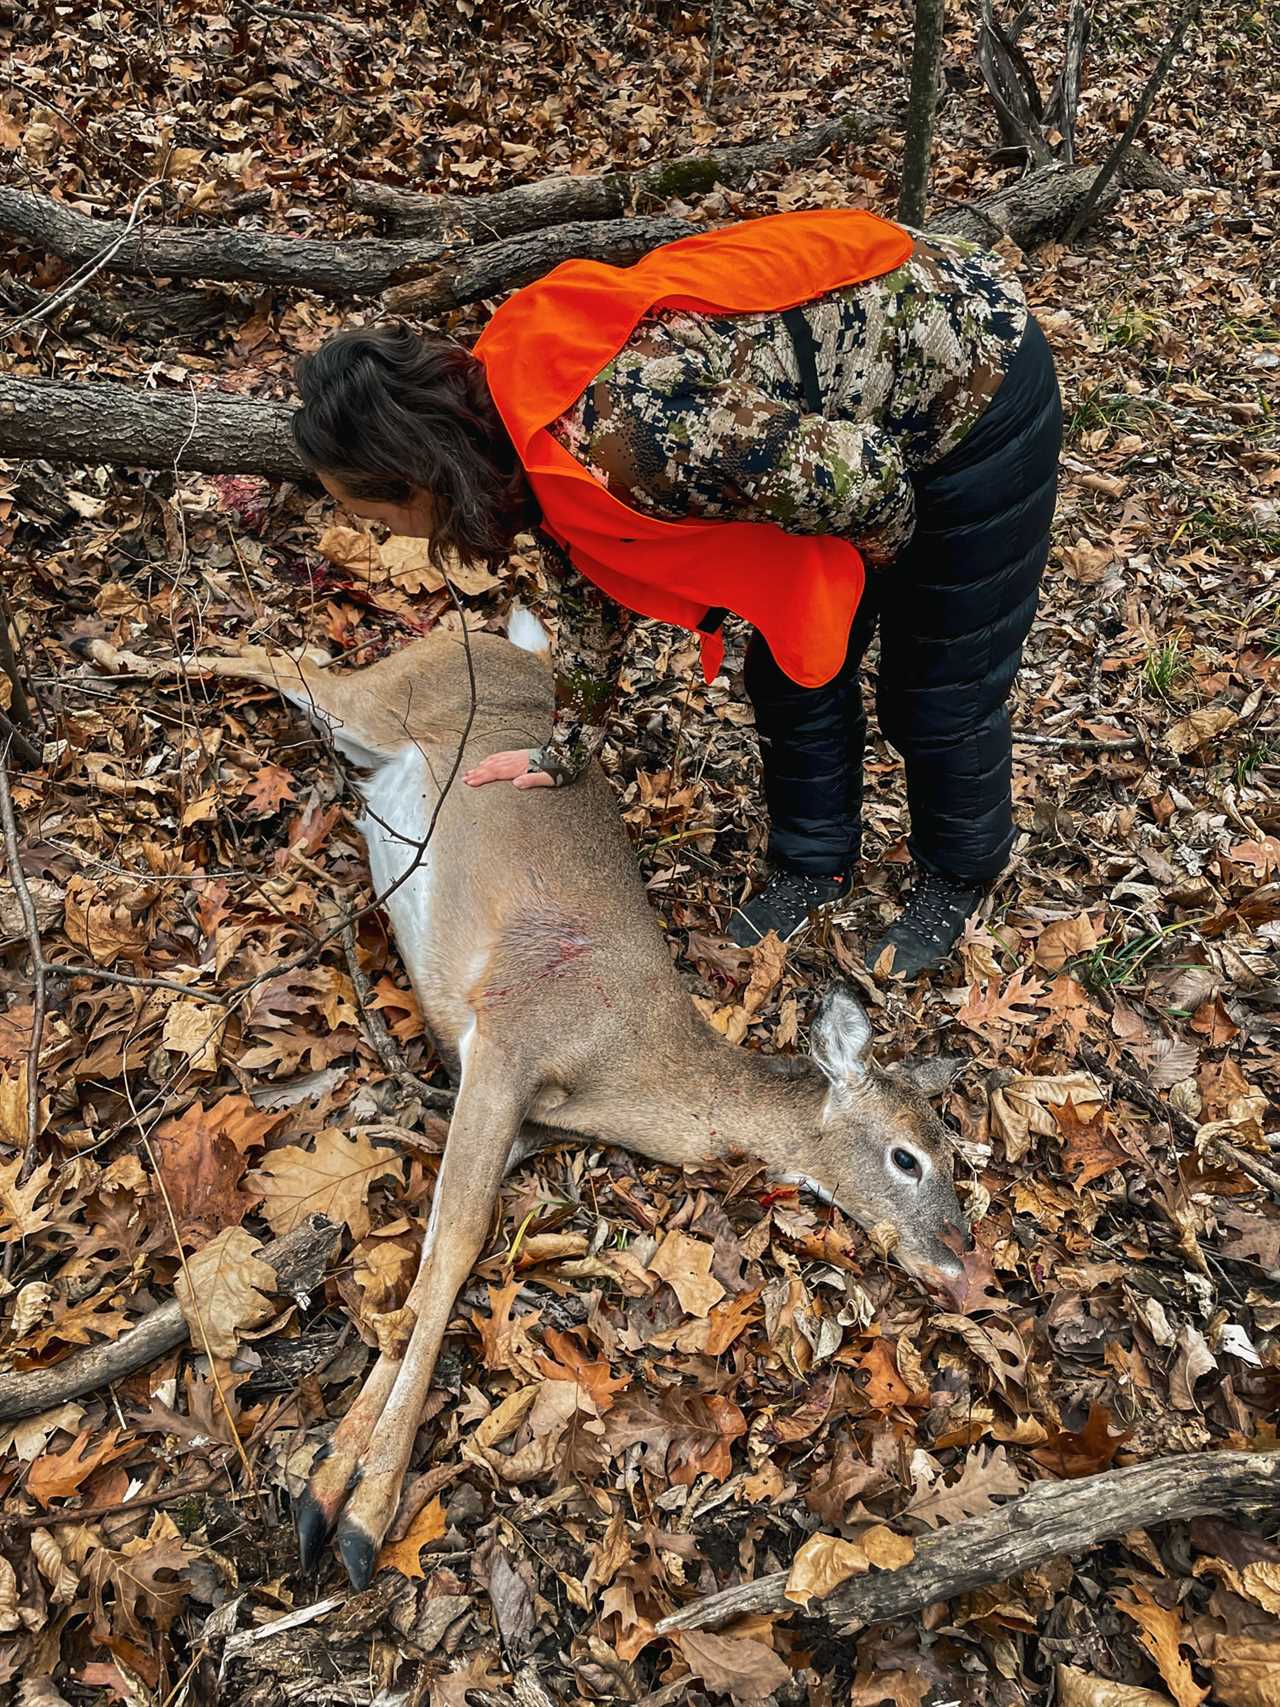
881	1153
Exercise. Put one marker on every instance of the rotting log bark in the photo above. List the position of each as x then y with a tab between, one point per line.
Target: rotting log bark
1035	209
299	1260
551	201
89	424
1051	1520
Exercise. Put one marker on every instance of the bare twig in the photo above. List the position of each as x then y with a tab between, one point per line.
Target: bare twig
95	1513
713	49
1137	1092
18	878
9	661
21	744
116	238
1080	743
1116	157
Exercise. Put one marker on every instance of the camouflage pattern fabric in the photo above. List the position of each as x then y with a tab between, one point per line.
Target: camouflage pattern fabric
704	415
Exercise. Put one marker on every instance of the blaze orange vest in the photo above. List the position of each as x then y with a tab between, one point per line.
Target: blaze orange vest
545	345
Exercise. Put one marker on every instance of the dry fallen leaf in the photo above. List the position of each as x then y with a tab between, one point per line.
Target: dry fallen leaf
746	1670
222	1290
332	1178
1246	1672
1192	732
685	1264
1076	1688
1163	1636
402	1556
822	1564
980	1483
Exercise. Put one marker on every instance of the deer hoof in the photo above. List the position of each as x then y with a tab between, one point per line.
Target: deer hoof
316	1511
358	1552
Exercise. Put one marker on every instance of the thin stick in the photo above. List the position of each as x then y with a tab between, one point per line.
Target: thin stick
32	923
388	1050
1114	160
76	283
95	1513
21	706
1079	743
195	1305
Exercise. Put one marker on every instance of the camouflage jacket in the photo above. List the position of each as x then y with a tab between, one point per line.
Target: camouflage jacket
704	415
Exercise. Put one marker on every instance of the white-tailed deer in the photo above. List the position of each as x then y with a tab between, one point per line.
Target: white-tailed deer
549	992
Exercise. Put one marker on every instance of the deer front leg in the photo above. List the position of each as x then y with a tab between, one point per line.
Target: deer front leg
491	1104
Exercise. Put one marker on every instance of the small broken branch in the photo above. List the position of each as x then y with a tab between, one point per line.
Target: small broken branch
1147	98
1051	1520
21	744
299	1260
385	1046
32	926
1012	88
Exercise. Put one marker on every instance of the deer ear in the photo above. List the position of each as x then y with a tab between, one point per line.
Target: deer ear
840	1037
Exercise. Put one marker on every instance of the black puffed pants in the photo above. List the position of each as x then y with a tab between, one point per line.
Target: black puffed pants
954	610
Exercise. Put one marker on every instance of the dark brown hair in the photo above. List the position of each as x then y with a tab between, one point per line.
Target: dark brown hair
386	411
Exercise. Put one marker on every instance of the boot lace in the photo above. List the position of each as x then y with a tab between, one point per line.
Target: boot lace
934	901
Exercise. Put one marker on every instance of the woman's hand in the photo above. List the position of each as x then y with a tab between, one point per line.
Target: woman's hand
507	767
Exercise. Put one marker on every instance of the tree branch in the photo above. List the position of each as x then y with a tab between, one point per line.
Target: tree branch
1116	157
299	1260
552	201
1051	1520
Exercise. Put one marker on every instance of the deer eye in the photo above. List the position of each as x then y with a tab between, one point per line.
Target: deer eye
904	1160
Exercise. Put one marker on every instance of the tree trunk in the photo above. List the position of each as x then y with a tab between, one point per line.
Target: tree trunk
1051	1520
926	60
553	201
299	1259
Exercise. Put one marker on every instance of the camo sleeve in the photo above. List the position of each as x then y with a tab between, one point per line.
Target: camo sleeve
588	658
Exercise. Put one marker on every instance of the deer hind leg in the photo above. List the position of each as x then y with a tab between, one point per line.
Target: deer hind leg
373	1446
332	699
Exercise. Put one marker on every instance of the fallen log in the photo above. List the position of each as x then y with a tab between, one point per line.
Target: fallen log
1051	1520
89	424
217	434
552	201
493	269
346	267
299	1260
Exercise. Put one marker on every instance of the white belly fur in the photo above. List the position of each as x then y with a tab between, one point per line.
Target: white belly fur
400	797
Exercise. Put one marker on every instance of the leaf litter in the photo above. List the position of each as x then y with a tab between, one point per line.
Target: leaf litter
655	1384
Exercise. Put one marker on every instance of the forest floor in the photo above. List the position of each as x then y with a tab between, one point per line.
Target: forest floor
1115	1008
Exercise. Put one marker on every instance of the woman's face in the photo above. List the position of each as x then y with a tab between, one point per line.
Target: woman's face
413	518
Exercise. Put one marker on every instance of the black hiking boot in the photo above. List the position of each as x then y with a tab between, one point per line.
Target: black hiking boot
786	904
927	929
